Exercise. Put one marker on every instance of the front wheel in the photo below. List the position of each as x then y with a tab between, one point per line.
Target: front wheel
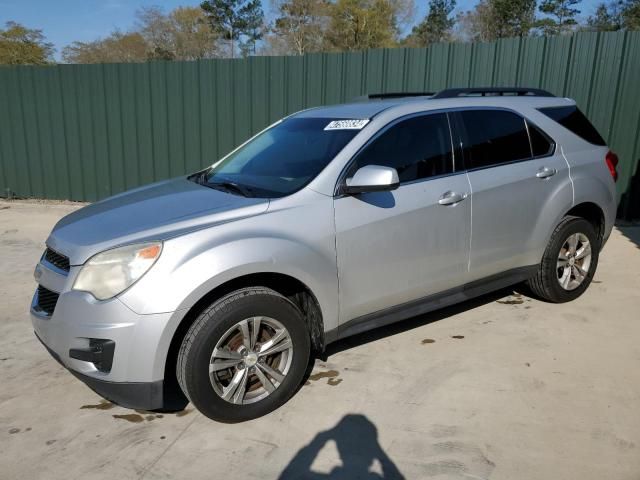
569	262
244	356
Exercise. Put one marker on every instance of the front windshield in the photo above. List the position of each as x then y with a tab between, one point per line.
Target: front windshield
280	160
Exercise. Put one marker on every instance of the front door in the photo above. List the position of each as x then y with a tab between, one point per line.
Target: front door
402	245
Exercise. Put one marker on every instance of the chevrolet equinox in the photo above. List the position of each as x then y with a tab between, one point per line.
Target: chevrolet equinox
220	286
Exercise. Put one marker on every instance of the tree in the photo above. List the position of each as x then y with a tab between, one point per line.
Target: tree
615	15
155	27
631	15
183	34
476	25
607	17
562	16
300	25
23	46
362	24
514	18
493	19
194	38
436	26
254	30
235	19
116	48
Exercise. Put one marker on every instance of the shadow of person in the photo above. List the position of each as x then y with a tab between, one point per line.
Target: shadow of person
356	439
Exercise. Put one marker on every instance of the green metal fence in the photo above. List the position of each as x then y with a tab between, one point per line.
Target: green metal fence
84	132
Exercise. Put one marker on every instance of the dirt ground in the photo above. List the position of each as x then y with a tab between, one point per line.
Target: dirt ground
503	387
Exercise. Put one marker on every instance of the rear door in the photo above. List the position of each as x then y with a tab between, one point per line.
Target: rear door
514	169
405	244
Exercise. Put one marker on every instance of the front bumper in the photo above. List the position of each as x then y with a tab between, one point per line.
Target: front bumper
138	395
138	344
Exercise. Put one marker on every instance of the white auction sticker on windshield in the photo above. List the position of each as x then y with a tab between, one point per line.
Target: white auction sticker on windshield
347	124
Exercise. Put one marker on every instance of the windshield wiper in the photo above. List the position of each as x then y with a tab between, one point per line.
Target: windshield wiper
230	187
200	178
225	185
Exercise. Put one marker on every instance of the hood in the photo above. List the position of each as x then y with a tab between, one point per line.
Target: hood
155	212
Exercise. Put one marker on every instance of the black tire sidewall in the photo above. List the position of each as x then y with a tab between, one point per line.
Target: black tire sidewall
223	315
574	225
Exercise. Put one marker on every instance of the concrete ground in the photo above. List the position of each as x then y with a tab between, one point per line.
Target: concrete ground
504	387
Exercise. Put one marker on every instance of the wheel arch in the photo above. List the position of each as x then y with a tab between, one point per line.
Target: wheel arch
292	288
591	212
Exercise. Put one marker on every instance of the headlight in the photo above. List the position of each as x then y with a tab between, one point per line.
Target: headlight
109	273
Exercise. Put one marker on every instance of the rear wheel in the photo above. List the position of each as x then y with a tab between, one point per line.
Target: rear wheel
569	262
244	356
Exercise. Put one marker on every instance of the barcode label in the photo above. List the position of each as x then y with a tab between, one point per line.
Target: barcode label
347	124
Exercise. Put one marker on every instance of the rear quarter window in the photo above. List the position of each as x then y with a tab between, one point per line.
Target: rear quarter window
573	119
541	144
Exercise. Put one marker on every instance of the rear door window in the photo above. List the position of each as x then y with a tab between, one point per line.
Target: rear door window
573	119
493	137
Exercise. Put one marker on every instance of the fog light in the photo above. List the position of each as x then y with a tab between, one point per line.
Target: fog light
100	353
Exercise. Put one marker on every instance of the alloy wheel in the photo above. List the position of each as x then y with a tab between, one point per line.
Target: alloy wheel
574	261
251	360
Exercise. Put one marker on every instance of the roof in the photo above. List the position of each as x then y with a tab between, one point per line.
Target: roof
365	109
372	107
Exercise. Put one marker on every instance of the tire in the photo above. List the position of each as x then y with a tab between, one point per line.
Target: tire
552	272
220	327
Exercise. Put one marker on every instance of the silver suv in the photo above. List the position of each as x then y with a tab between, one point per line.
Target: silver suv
221	286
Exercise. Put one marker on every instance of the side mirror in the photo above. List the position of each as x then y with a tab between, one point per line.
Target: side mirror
372	178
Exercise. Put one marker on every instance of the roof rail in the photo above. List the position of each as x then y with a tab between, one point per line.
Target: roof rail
492	91
382	96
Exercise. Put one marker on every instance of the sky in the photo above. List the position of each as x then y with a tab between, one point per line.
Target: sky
65	21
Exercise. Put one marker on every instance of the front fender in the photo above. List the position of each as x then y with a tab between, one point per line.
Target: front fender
295	237
284	256
196	273
207	270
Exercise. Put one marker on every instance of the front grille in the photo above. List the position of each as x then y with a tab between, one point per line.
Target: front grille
56	259
47	300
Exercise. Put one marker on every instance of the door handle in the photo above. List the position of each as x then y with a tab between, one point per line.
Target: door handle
451	198
546	172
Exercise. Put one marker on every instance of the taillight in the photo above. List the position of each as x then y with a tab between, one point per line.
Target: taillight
612	162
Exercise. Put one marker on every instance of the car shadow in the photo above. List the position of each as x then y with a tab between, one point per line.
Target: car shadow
356	439
629	205
632	232
378	199
415	322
